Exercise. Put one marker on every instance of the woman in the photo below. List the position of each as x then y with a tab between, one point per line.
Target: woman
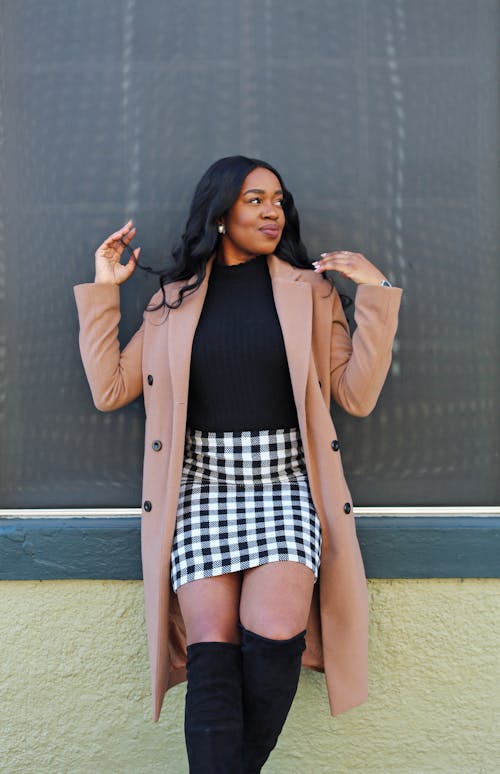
244	496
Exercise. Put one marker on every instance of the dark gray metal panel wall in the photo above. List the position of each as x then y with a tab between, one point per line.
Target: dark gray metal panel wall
382	117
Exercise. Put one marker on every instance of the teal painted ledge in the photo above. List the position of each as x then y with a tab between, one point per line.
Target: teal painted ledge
109	548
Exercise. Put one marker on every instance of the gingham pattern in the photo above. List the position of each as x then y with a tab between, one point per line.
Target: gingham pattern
244	501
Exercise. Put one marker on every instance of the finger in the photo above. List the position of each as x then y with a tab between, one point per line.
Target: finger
132	263
336	262
117	245
121	232
338	255
339	262
330	256
126	238
127	225
134	257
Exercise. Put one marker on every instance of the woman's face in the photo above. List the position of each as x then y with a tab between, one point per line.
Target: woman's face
255	222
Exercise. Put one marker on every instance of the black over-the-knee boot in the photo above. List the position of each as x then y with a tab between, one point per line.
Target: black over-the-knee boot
271	670
213	717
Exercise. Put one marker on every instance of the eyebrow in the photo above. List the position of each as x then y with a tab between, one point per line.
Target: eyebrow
261	191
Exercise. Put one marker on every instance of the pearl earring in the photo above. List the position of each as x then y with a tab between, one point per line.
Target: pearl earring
221	228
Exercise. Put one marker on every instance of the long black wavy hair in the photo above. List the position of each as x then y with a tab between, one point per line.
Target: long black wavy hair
215	194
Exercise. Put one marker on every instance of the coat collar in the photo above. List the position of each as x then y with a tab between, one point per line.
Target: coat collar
293	301
278	269
282	270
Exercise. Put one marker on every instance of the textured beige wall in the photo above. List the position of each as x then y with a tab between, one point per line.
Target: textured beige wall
75	696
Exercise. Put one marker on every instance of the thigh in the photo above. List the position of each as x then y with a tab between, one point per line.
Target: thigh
276	599
210	608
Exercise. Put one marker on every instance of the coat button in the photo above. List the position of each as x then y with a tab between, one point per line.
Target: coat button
147	505
156	445
150	380
335	445
347	507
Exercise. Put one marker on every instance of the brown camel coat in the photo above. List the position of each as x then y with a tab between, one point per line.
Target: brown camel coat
324	361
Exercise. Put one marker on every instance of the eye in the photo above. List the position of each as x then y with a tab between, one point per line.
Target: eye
257	199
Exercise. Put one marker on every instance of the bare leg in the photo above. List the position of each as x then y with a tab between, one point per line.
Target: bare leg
210	608
276	599
273	600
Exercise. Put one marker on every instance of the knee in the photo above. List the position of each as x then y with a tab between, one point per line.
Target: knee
275	628
213	631
215	635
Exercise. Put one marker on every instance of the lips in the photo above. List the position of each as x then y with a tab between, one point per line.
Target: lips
270	231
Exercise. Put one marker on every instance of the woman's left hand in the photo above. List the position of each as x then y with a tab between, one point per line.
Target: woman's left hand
352	265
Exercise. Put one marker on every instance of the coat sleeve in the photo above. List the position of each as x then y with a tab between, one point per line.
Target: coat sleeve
359	366
115	377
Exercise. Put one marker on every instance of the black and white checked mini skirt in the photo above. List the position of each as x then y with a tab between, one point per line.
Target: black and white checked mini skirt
244	501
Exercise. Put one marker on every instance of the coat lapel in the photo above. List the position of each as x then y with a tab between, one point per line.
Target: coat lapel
181	329
293	301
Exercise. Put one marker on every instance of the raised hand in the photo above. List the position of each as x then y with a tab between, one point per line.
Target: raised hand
352	265
108	269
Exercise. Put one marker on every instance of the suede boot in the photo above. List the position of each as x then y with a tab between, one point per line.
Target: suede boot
213	722
271	670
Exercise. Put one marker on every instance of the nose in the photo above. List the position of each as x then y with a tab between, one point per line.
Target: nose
271	211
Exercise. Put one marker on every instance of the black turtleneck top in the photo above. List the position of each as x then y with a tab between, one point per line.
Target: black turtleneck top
239	378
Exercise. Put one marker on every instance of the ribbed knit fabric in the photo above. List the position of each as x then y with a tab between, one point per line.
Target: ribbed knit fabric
239	378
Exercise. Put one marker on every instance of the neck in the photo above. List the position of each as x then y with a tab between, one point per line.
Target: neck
232	257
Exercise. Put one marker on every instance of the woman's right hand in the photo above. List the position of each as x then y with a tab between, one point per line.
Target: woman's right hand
108	269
